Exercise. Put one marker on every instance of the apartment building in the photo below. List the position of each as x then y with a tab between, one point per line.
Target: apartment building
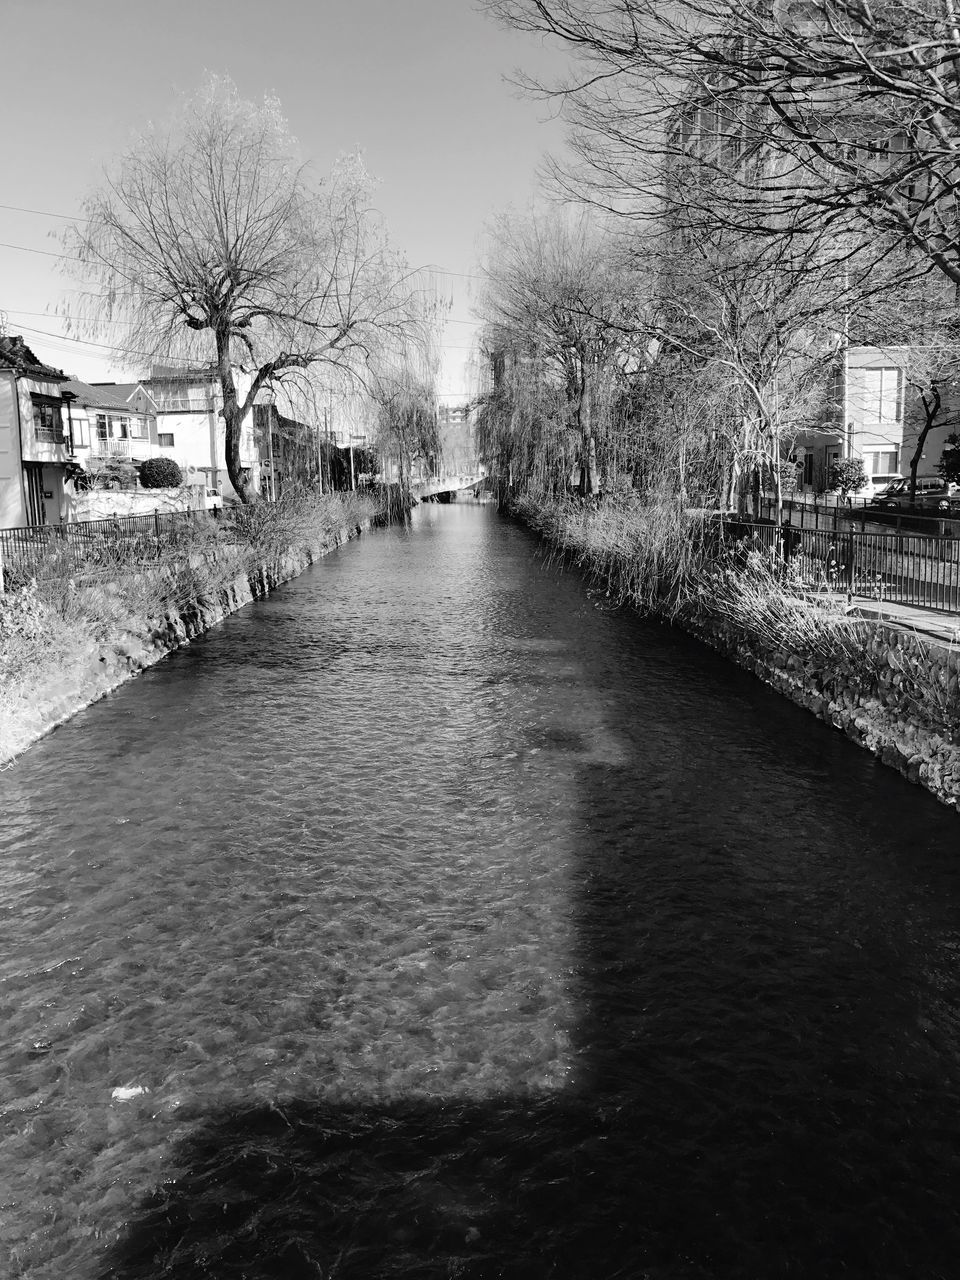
873	411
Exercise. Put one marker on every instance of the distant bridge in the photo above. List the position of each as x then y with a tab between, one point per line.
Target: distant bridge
444	487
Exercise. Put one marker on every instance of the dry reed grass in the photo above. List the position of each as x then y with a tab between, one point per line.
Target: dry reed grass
662	560
647	556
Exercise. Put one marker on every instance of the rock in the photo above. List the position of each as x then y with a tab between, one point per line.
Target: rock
125	1093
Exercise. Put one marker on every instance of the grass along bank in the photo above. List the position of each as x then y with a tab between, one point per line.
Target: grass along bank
67	638
890	690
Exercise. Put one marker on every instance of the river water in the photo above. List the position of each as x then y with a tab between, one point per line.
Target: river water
437	920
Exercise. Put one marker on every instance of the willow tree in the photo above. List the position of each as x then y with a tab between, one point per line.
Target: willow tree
401	383
209	241
559	303
521	436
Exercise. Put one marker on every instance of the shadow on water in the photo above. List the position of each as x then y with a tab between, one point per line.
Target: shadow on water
756	1138
731	1117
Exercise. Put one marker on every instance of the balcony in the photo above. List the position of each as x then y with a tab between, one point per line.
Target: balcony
43	434
110	448
129	448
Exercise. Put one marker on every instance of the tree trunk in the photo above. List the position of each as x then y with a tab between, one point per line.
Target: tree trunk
931	408
233	422
589	479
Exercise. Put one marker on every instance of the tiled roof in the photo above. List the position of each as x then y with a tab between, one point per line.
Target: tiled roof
97	397
124	390
15	354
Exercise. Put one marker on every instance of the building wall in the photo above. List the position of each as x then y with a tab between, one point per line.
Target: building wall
12	503
869	418
199	431
875	405
139	443
50	455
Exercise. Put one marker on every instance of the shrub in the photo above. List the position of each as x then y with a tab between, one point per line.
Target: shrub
847	476
160	473
111	473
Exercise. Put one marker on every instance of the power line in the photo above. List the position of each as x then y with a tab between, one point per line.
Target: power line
75	217
25	248
45	213
66	315
66	217
465	275
58	340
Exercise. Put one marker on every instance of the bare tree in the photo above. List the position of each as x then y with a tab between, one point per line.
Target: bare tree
931	367
767	117
521	430
915	327
558	298
406	422
401	382
209	241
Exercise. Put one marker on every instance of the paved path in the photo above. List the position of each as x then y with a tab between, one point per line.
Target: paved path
929	622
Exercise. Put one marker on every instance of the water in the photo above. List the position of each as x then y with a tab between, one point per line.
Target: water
440	921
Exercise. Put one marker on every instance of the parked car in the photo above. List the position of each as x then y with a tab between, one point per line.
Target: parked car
932	497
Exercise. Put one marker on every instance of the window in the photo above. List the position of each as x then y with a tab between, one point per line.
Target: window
102	432
120	428
881	398
81	433
165	439
808	468
138	429
47	427
881	463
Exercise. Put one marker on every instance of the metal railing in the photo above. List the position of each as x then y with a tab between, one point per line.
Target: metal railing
858	514
905	567
110	448
40	551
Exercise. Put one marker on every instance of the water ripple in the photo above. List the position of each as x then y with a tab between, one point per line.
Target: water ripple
536	906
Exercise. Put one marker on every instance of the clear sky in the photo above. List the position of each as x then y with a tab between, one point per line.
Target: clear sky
417	85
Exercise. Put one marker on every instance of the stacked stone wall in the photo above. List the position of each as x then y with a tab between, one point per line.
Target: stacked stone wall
897	696
101	668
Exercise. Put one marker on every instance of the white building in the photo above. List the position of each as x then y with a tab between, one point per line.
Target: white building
191	427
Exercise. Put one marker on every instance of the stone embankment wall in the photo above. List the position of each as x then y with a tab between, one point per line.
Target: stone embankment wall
896	694
102	668
890	690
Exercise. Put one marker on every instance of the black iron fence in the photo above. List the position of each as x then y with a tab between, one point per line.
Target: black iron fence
858	514
909	568
38	551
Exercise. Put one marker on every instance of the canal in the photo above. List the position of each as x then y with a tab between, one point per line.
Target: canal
431	918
